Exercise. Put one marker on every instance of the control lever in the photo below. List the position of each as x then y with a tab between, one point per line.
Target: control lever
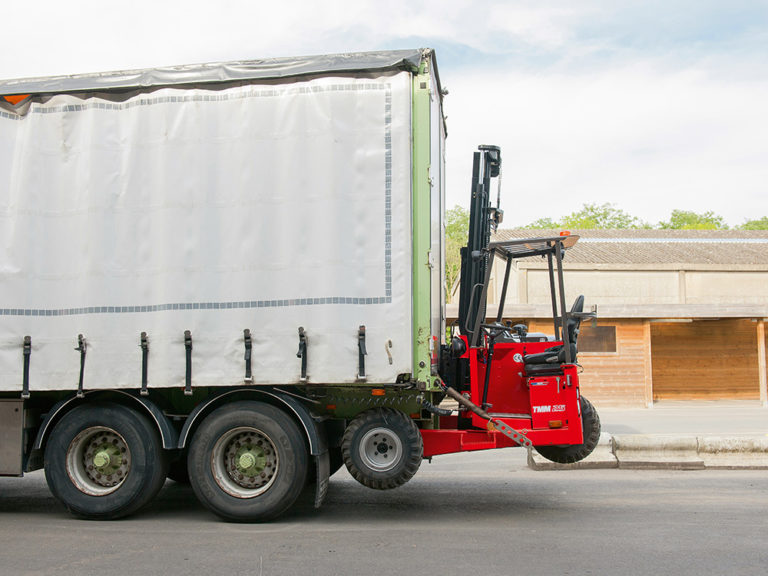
521	330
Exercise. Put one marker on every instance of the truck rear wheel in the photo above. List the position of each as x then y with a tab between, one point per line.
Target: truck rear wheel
382	448
590	426
104	461
248	462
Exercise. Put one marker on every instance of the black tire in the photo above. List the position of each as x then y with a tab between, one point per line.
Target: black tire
382	448
248	462
104	461
590	425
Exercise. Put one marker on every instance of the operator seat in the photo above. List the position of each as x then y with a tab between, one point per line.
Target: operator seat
550	361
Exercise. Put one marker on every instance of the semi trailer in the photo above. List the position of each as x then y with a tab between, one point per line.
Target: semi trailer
232	274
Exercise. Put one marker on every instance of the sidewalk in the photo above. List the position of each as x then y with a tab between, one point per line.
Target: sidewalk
678	435
692	418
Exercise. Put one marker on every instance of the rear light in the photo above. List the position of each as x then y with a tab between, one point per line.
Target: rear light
15	99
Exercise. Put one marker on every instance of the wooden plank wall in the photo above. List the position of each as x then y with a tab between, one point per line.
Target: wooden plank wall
714	359
613	379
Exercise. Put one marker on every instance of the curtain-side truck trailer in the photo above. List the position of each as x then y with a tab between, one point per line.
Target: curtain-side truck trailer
233	275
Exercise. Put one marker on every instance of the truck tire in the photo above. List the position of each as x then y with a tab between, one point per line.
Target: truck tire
248	462
590	425
382	448
104	461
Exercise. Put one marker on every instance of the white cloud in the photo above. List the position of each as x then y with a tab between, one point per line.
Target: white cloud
647	140
71	38
651	105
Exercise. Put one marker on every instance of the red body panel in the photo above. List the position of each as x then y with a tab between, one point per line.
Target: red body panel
546	408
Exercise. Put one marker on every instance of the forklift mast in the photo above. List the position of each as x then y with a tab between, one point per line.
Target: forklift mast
483	218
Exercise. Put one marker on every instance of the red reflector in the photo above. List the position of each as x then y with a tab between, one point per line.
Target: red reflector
565	233
16	98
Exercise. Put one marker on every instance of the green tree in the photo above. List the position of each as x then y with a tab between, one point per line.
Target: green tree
688	220
604	216
456	232
543	223
759	224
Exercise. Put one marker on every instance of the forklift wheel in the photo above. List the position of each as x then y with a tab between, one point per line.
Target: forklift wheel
382	448
590	425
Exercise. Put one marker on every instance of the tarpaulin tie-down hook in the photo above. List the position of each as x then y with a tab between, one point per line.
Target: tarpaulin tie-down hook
82	346
144	345
188	375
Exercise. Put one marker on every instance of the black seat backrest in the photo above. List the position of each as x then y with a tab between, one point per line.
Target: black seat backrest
574	322
543	363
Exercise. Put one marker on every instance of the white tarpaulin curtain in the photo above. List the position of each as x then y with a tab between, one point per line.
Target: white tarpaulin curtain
265	207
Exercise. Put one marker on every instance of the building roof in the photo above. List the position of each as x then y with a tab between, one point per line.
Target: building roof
644	249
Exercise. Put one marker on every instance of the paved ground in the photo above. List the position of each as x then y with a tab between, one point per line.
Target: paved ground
462	514
720	418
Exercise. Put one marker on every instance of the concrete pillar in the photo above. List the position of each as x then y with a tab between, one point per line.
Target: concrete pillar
522	286
647	362
761	365
682	288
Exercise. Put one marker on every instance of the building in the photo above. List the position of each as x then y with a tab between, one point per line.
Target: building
681	312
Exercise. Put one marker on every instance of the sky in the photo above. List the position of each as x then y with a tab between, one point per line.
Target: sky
649	105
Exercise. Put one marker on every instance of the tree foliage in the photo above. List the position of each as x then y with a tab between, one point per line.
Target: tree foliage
758	224
688	220
604	216
456	232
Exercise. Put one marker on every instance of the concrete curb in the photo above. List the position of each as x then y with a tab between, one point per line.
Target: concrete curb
733	452
668	452
602	457
639	451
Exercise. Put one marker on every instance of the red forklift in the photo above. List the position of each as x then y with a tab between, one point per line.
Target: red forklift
513	387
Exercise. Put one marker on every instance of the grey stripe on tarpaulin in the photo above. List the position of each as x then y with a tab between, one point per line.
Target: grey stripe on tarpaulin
219	97
195	306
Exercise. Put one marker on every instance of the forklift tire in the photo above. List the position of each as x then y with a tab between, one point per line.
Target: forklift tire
382	448
104	461
590	426
248	462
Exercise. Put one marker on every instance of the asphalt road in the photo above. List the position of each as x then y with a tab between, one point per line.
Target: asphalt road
463	514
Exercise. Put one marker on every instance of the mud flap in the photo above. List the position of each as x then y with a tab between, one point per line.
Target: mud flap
323	467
